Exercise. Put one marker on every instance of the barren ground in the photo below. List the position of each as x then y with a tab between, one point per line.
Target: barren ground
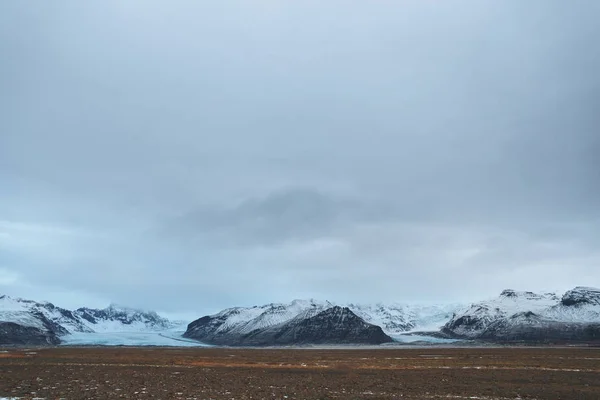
201	373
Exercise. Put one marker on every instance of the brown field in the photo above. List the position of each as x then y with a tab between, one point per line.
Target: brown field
191	373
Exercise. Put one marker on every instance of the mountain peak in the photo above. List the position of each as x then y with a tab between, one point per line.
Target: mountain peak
311	302
581	295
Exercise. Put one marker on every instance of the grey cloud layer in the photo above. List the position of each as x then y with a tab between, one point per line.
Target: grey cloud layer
242	152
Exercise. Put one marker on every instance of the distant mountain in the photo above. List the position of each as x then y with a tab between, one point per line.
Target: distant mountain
121	319
531	317
29	322
399	318
300	322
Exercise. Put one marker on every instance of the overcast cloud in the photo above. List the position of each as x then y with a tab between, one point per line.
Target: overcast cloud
189	156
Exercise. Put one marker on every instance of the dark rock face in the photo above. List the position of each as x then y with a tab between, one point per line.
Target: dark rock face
534	329
15	334
508	293
205	330
335	325
518	327
581	296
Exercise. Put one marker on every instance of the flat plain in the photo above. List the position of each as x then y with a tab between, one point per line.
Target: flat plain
347	373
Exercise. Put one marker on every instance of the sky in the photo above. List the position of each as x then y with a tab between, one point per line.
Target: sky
189	156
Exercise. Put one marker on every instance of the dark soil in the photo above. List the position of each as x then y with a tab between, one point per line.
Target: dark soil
184	373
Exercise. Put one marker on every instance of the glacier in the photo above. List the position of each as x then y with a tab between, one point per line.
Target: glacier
167	339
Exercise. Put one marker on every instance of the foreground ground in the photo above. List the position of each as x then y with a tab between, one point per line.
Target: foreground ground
178	373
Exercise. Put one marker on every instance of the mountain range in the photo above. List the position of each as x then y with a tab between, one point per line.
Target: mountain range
30	322
266	325
513	316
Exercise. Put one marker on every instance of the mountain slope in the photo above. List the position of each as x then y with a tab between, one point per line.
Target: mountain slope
233	323
12	333
311	325
527	316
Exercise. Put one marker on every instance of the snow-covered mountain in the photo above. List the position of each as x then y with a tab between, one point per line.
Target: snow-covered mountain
531	316
29	322
121	319
240	321
300	322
